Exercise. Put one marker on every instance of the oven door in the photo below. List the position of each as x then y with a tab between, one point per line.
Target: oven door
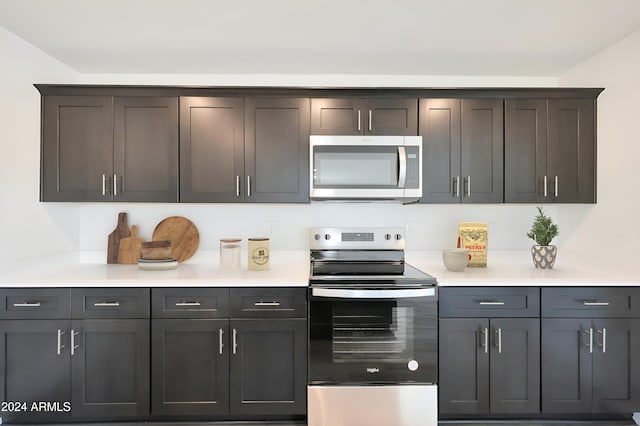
372	336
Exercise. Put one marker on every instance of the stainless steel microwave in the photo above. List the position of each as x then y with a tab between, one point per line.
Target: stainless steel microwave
362	168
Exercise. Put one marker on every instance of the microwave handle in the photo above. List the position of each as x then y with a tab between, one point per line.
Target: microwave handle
402	171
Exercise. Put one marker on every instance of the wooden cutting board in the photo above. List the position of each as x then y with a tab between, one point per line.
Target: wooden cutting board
113	243
129	251
183	235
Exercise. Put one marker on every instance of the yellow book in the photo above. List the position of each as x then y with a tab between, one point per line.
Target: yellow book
474	237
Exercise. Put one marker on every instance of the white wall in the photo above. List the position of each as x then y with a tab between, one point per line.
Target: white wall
611	226
27	227
36	228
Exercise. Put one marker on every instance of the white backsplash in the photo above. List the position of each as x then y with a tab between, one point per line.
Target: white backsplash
427	227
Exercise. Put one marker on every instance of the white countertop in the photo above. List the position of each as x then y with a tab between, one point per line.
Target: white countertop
290	268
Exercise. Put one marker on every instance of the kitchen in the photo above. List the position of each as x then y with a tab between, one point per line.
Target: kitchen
594	232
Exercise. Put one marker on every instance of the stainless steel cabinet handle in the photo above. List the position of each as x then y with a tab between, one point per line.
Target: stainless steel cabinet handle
220	341
402	170
467	184
595	303
556	186
60	345
545	192
235	341
115	184
188	304
237	185
590	345
27	305
457	181
370	120
499	333
266	304
104	184
485	341
491	303
248	186
359	120
604	339
73	341
106	304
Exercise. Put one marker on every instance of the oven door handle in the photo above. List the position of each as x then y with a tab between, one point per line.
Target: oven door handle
342	293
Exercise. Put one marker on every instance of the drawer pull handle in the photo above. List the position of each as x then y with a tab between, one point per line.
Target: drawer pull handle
491	303
266	304
188	304
485	339
221	341
235	341
73	342
499	333
595	303
60	345
590	345
106	304
603	345
27	305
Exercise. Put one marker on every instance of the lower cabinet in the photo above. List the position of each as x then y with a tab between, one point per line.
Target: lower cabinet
489	351
229	352
67	365
591	350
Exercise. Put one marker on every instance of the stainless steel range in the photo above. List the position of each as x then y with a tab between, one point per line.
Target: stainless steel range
372	333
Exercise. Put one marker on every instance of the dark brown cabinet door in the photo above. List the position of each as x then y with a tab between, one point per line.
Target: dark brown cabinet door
482	151
462	150
211	149
571	150
440	131
268	366
616	361
550	151
77	148
463	374
515	365
110	368
190	367
276	150
364	117
525	151
34	367
145	149
566	365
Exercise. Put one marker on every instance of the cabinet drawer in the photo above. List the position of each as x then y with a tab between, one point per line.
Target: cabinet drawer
190	302
110	303
481	302
591	302
269	302
35	303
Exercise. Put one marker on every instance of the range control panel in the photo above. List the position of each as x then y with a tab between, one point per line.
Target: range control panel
356	238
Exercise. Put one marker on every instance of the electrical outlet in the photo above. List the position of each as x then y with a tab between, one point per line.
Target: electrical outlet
271	227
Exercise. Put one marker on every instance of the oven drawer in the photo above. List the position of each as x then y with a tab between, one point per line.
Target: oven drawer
109	303
591	302
182	302
480	302
35	303
280	302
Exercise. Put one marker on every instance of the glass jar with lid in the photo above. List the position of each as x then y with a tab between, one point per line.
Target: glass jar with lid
230	254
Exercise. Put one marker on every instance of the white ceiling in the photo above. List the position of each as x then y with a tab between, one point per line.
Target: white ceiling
406	37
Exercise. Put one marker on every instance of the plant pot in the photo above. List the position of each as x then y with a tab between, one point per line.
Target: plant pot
544	257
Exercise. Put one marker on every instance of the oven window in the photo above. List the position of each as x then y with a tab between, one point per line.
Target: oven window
380	331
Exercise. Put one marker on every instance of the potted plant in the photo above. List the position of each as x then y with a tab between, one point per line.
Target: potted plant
542	232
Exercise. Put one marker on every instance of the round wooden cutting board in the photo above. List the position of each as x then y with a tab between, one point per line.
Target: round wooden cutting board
183	235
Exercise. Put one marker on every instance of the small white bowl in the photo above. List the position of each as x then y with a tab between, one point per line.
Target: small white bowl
456	259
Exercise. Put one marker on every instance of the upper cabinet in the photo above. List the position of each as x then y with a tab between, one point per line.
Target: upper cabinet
550	151
244	150
211	149
462	150
347	116
104	148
